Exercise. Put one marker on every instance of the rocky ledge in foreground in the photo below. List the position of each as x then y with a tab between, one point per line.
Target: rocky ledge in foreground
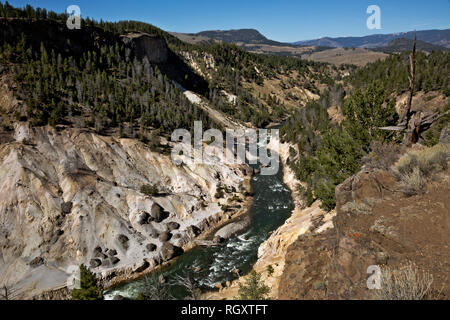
379	222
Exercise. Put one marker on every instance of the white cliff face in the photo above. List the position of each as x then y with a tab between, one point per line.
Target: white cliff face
63	195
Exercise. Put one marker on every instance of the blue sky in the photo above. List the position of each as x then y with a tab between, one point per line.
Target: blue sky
282	20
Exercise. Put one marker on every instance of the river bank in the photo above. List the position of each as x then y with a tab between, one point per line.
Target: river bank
217	222
272	252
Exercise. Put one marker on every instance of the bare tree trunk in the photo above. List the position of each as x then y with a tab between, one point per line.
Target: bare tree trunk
412	131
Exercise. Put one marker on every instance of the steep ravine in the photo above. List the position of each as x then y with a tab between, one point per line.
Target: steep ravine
272	252
214	267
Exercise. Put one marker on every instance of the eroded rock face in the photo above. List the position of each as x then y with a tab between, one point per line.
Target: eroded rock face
152	47
99	179
375	225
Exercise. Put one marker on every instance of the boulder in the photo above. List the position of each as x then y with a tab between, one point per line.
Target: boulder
169	251
101	255
95	263
143	218
112	252
218	240
119	297
153	233
142	267
98	250
152	247
173	226
37	262
56	237
165	236
233	229
193	231
115	260
66	208
106	263
123	239
158	214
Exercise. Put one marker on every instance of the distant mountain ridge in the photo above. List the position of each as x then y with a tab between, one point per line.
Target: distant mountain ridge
247	36
402	44
436	37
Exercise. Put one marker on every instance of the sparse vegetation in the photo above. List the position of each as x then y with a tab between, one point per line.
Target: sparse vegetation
150	190
404	283
90	288
155	289
219	191
382	155
415	167
188	283
254	288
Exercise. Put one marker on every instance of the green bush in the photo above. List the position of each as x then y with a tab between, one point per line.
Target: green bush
149	190
432	136
270	270
90	289
254	288
331	153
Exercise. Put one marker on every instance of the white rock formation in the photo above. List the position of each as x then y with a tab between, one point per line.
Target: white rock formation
64	194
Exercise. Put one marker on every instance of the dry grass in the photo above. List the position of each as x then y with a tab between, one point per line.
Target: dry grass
359	56
382	155
405	283
414	168
365	207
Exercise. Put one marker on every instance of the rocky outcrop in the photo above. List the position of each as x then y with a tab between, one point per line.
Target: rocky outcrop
152	47
233	228
73	197
375	225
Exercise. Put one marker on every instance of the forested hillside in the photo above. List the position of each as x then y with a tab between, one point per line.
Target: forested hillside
432	73
330	152
91	73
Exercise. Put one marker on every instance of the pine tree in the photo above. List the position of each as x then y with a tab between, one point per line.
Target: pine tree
90	289
254	288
